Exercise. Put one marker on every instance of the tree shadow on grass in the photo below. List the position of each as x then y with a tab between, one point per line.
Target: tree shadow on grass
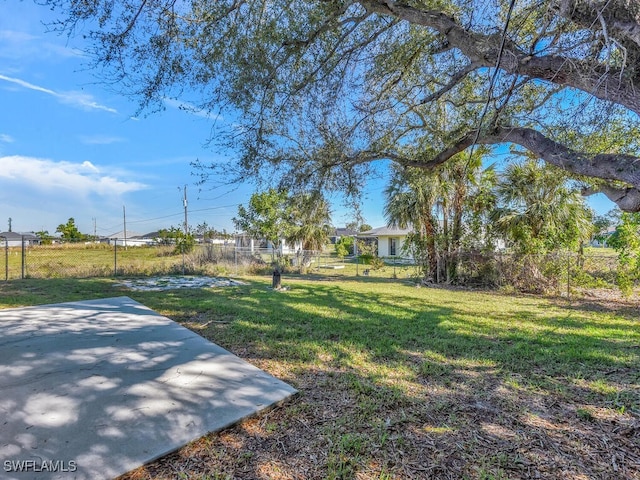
399	382
396	384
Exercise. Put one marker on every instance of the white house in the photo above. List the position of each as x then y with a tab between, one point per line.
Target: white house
130	239
603	238
243	240
390	240
13	239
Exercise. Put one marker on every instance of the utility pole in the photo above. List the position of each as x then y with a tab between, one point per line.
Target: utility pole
9	223
95	235
186	227
124	219
184	202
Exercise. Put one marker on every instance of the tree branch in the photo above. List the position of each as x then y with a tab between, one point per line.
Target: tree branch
599	81
617	167
456	78
628	199
617	15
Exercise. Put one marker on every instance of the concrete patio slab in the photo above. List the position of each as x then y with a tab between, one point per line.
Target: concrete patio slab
94	389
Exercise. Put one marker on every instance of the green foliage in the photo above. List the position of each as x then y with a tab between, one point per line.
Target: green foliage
581	278
601	226
276	215
538	211
319	90
417	247
207	232
69	232
626	241
344	246
45	237
440	205
265	216
309	219
376	262
367	253
184	243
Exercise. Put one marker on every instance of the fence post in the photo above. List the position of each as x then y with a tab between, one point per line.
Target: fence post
6	259
23	257
115	258
568	275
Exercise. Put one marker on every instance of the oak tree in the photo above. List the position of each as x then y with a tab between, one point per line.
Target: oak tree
326	88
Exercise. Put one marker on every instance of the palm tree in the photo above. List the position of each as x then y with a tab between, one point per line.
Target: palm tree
310	221
538	209
435	203
411	198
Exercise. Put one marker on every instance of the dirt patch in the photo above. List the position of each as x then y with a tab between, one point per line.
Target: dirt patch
441	431
173	282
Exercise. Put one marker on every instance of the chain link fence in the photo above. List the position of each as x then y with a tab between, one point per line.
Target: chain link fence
557	273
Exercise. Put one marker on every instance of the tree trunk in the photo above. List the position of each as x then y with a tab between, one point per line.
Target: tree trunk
430	235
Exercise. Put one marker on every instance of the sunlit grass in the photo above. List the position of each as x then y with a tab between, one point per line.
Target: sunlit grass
419	358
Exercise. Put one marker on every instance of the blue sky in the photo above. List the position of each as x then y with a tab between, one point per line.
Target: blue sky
71	147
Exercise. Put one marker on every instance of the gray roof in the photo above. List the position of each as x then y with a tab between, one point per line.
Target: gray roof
387	232
345	232
120	234
18	236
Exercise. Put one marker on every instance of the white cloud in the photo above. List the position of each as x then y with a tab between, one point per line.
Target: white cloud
21	45
90	166
14	44
76	179
74	98
100	139
4	138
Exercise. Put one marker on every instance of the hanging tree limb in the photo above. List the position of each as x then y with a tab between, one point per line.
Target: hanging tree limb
615	167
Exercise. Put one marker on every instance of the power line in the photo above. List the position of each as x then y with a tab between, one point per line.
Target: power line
494	76
180	214
214	208
156	218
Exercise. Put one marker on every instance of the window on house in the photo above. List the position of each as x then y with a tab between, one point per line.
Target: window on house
392	247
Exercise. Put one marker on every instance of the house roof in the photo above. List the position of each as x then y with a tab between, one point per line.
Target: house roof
120	234
345	232
18	236
387	232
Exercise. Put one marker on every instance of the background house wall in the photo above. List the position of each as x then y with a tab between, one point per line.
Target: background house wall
13	239
384	235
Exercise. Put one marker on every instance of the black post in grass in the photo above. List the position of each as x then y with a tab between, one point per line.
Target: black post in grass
276	282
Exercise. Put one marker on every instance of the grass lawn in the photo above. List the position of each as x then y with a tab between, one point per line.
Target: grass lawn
91	260
402	382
